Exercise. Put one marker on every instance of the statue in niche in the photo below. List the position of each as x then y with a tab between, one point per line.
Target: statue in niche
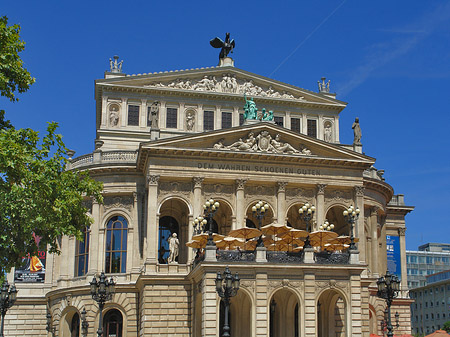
282	147
190	120
227	45
174	243
154	115
250	109
356	132
113	116
327	133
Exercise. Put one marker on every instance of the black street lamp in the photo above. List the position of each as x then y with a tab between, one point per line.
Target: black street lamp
210	208
351	215
259	212
51	329
102	291
227	287
7	299
306	213
388	288
84	323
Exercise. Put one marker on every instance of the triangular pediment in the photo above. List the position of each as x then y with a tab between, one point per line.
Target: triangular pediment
229	81
259	141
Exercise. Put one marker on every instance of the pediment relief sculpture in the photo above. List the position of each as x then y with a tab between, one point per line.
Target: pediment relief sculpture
228	83
263	142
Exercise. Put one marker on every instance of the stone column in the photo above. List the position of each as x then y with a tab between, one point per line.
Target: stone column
336	130
240	207
95	228
218	118
287	122
199	119
152	220
181	118
235	117
404	281
320	207
262	316
134	237
123	112
162	115
359	225
310	305
210	319
304	125
196	208
374	248
143	114
281	202
320	127
64	266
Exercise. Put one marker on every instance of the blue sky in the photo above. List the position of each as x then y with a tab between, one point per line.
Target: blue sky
388	59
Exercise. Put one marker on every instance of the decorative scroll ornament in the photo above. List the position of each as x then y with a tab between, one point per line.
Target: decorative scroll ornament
153	179
250	285
228	83
359	190
285	283
263	142
282	186
321	188
330	284
240	183
198	181
118	202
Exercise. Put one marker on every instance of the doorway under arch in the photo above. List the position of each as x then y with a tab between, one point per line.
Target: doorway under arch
284	308
331	314
240	316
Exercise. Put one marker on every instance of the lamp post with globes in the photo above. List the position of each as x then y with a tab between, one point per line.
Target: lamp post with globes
306	213
259	212
7	298
351	215
326	226
102	291
388	288
210	208
227	287
199	225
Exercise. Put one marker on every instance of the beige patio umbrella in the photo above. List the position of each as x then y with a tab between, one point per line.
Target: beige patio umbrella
204	237
249	245
438	333
245	233
268	241
293	235
335	247
196	244
297	249
279	246
320	238
229	243
343	239
275	229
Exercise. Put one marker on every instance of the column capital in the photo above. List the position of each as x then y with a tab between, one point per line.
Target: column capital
359	191
198	181
153	179
321	188
401	231
282	186
373	210
240	183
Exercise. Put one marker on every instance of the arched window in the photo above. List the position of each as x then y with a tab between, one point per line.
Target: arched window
167	226
82	254
113	324
75	326
116	245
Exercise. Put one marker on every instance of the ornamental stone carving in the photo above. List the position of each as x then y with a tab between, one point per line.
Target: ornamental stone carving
240	183
248	284
175	186
284	283
228	83
190	120
331	284
321	188
198	181
282	186
88	204
113	115
218	189
263	142
298	193
123	202
359	191
402	231
261	190
153	179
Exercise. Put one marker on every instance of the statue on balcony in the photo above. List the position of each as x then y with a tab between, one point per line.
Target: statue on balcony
174	243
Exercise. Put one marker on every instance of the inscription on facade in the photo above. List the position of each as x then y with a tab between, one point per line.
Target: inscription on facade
258	168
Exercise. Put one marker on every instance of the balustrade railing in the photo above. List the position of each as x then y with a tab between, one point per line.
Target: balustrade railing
103	157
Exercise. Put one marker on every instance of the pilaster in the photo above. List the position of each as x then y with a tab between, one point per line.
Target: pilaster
355	305
124	111
262	316
404	280
143	114
359	225
104	111
217	118
374	230
162	115
134	237
320	207
152	219
95	227
310	305
235	117
209	306
281	202
240	211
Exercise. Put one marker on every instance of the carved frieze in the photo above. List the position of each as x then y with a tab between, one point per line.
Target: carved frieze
248	284
331	284
125	202
228	83
175	186
341	196
285	283
218	189
300	193
263	142
260	190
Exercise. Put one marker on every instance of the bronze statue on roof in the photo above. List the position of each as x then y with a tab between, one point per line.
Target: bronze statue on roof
227	45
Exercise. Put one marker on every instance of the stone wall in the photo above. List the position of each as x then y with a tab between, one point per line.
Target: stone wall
26	318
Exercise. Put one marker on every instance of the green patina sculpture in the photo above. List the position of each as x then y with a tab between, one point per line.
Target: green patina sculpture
250	109
267	116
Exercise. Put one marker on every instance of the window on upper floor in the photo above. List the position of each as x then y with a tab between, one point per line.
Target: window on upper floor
133	115
82	254
430	260
426	316
295	124
172	118
241	119
116	245
226	120
279	120
312	128
208	120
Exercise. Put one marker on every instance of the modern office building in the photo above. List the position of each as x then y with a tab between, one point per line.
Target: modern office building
431	307
168	142
431	258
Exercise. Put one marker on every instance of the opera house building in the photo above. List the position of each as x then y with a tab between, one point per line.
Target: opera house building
218	167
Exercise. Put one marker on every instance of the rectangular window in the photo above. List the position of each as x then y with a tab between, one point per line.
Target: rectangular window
82	254
226	120
241	119
295	124
312	128
133	115
208	120
172	118
279	120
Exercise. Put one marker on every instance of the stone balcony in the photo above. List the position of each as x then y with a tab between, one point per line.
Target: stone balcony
99	157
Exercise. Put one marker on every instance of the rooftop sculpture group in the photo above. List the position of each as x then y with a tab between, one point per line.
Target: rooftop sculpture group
227	45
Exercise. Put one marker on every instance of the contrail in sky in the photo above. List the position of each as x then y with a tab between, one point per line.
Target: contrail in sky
307	38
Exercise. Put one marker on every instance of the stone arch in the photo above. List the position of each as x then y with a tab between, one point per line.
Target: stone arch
373	327
116	212
174	215
284	313
112	306
334	216
251	219
332	313
241	314
66	321
224	216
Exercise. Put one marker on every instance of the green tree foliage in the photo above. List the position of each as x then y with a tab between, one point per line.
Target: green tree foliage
446	326
38	196
13	76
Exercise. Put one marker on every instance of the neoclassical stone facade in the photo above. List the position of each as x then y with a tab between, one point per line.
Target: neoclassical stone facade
167	142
